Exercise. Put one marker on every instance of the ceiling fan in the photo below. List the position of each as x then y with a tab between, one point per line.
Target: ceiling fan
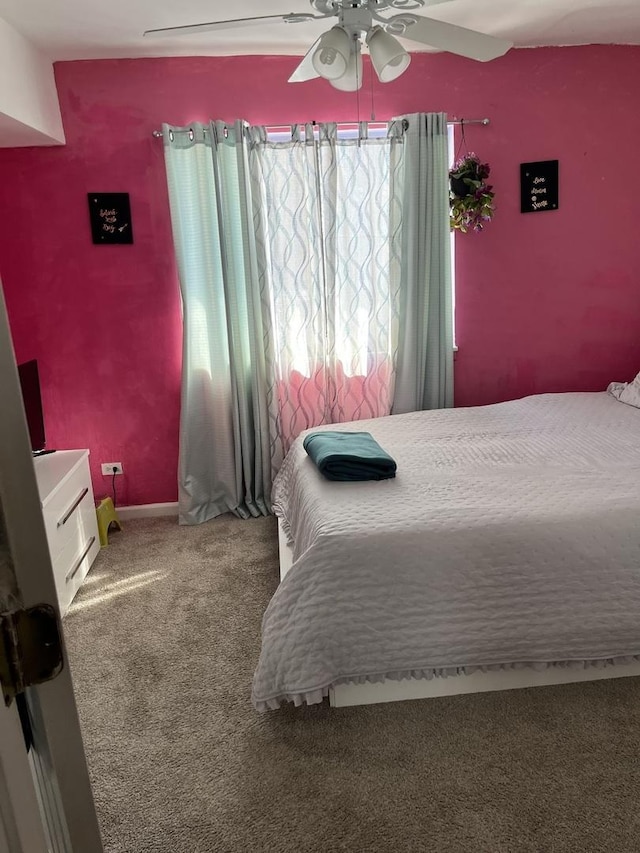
337	56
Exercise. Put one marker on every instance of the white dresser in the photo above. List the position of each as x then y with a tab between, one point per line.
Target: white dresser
66	497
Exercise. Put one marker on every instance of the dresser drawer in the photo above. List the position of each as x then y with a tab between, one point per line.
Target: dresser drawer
67	510
72	565
71	537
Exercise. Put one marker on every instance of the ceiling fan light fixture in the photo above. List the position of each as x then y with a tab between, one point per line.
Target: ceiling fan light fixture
388	57
351	80
331	57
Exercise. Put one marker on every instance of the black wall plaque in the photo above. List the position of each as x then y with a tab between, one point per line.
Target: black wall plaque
539	186
110	216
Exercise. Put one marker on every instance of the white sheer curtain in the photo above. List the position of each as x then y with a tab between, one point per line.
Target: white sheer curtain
330	212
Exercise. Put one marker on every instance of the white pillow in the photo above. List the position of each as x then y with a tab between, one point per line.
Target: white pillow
627	392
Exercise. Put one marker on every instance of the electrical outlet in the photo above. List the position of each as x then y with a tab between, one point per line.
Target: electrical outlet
110	468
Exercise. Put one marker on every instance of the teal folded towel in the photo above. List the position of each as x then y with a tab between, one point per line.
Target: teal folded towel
349	456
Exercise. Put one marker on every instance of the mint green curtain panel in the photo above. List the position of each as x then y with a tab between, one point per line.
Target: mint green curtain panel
424	372
224	462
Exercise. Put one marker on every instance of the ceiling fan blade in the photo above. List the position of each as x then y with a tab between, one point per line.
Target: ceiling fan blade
305	71
455	39
190	29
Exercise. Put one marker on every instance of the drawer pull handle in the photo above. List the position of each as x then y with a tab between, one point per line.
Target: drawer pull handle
70	576
70	511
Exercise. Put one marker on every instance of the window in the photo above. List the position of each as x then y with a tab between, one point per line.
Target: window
452	243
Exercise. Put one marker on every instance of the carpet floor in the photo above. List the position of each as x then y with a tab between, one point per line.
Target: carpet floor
163	639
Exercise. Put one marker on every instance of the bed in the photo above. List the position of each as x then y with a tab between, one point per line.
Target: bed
505	553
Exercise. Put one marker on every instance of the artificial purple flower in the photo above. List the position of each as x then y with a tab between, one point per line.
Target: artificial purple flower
473	206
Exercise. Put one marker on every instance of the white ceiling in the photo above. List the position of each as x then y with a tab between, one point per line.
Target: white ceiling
91	29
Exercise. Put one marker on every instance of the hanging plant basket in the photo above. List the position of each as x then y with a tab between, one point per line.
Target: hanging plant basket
470	196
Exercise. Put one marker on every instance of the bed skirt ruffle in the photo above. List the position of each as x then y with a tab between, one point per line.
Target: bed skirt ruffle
315	697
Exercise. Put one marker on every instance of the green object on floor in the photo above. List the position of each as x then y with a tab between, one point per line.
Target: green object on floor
106	515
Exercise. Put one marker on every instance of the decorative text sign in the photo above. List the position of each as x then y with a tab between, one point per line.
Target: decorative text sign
539	186
110	215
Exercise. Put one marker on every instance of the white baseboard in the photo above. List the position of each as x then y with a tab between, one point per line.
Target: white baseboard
147	511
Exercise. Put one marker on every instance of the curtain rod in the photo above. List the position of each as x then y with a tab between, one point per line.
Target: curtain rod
484	121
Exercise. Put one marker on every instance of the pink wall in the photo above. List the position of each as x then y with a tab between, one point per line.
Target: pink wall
546	302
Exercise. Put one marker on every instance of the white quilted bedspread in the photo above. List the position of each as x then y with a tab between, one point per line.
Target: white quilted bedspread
510	536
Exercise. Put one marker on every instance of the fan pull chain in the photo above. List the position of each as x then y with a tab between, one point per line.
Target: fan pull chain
373	109
358	84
